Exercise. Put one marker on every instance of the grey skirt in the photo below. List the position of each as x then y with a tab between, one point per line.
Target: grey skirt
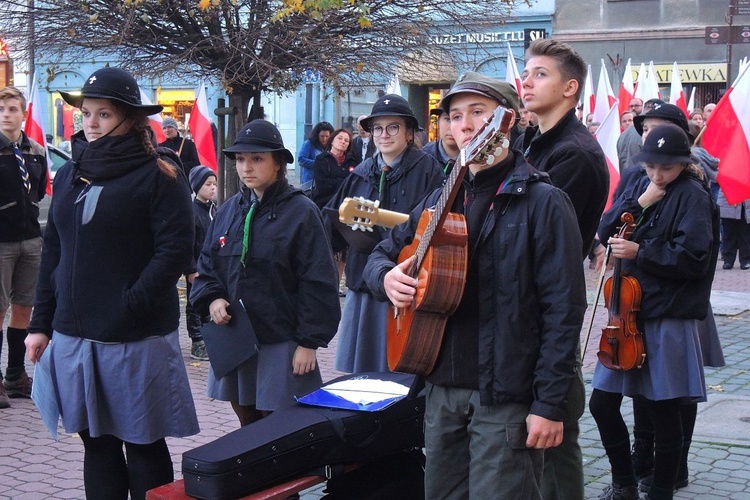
136	391
361	342
266	380
673	367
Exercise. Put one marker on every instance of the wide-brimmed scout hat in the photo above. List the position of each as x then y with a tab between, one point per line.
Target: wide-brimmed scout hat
503	92
259	136
665	144
665	111
115	84
391	105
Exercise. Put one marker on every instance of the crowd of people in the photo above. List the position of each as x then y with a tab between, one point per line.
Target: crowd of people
95	299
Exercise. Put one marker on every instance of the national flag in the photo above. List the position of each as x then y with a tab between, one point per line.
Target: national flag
607	135
653	83
727	137
691	103
589	99
154	120
34	127
627	90
640	86
394	86
676	92
605	97
200	128
512	75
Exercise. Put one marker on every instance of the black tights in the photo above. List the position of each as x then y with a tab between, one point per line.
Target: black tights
107	475
643	428
665	415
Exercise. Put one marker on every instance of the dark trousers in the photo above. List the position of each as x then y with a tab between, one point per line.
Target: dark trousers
736	240
192	318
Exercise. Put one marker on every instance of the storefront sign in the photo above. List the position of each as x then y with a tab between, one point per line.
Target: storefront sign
690	73
466	38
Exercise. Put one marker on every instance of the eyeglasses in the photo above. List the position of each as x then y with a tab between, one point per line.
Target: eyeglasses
391	129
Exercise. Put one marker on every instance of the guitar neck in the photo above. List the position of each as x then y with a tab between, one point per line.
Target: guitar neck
389	218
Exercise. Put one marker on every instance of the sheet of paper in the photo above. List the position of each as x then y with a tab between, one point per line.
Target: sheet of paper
366	391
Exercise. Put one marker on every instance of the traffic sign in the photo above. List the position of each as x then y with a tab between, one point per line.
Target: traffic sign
740	34
717	35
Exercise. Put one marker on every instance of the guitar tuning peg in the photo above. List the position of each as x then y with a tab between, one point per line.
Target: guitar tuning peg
506	143
377	203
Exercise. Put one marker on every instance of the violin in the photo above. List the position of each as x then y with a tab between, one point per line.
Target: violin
621	345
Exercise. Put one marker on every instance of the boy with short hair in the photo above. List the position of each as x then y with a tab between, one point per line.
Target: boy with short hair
23	182
563	147
203	183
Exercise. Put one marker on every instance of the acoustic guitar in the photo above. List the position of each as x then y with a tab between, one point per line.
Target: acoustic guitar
362	214
440	246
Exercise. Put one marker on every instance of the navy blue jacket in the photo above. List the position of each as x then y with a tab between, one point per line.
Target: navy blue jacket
118	237
290	284
417	175
575	162
529	290
19	209
678	238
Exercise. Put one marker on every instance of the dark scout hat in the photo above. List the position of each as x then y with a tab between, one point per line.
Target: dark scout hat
115	84
259	136
503	92
665	111
391	105
665	144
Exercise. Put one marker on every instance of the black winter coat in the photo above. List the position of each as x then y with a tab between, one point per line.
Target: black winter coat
290	284
188	156
329	176
575	162
417	175
118	237
19	209
530	288
678	241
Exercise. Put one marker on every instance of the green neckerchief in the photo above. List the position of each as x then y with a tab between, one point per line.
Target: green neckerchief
246	234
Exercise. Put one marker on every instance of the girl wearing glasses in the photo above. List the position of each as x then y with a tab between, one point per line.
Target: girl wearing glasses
399	176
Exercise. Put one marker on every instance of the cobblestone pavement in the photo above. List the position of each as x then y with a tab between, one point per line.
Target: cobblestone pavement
33	466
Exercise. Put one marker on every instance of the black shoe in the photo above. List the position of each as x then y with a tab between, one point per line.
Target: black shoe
727	266
617	492
745	266
645	484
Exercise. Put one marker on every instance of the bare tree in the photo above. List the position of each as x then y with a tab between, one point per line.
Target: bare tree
251	45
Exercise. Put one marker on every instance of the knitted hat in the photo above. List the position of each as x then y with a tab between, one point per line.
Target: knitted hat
259	136
391	105
503	92
665	144
115	84
198	177
169	122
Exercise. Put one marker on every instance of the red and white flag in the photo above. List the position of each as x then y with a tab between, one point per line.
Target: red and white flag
512	75
607	135
652	82
605	97
200	128
727	137
589	99
627	90
691	103
676	92
154	120
34	127
640	85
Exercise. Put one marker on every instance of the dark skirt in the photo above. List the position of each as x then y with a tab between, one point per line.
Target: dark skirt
362	335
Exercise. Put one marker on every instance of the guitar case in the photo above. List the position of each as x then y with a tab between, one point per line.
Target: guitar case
303	440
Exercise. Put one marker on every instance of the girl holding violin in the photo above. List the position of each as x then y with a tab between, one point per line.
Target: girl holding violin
672	255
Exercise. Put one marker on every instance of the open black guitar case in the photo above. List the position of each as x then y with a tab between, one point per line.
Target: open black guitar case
304	440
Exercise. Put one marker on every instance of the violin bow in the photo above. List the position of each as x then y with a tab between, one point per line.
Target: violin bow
596	300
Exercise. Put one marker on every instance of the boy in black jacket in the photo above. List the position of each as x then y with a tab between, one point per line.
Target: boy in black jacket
203	184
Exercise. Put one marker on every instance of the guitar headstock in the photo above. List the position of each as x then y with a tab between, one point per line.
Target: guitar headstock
490	140
359	213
